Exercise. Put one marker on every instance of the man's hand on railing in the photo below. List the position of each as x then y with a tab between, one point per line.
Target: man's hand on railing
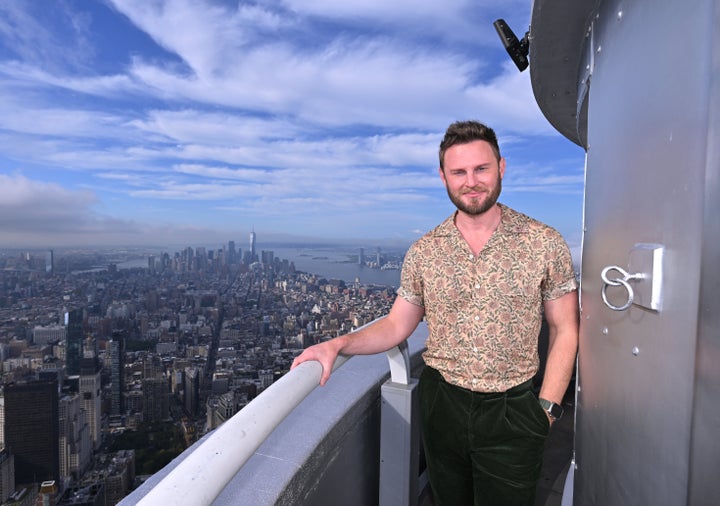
325	353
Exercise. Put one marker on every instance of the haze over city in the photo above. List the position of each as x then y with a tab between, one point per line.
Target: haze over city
128	122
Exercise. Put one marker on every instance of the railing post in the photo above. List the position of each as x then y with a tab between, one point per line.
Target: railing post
399	433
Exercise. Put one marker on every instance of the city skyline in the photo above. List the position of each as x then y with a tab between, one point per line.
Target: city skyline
132	123
148	360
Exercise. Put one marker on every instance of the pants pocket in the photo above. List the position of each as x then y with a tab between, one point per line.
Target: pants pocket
526	416
428	390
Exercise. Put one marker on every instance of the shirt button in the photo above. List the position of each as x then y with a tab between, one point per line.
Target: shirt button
474	381
471	256
475	350
477	285
477	318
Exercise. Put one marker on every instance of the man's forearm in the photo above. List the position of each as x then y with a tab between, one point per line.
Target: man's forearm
559	366
384	333
379	336
562	318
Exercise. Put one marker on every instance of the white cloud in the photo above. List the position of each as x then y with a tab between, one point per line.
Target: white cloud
38	214
292	112
27	27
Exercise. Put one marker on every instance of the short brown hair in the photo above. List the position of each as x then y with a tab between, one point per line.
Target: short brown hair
464	132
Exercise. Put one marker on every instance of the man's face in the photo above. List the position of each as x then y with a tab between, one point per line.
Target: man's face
473	176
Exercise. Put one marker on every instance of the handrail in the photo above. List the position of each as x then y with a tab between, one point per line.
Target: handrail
204	473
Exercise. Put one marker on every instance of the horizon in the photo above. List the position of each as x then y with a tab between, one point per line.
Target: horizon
124	122
575	249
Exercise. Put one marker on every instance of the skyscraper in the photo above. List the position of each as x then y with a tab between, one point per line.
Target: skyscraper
74	353
2	422
32	430
192	390
267	257
156	399
117	374
91	400
49	262
231	255
75	441
253	254
7	475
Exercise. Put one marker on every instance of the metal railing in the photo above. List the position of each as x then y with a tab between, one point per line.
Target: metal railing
201	476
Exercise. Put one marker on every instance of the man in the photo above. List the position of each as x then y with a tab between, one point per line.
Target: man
482	279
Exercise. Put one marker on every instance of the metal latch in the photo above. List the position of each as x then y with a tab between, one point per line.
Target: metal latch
642	280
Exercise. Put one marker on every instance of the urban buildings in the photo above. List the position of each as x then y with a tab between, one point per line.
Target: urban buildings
32	429
181	342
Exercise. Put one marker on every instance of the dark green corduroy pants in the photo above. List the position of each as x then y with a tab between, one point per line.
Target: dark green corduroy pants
481	448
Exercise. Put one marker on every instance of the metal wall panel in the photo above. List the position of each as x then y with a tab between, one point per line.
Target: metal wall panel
705	445
647	164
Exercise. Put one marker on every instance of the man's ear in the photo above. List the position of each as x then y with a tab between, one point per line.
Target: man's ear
501	166
442	175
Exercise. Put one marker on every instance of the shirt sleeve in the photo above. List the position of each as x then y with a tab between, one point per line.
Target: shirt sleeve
560	276
411	284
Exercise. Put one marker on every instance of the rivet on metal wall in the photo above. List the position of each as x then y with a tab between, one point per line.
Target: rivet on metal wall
636	351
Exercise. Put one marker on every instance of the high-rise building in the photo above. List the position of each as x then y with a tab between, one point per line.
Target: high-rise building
117	374
32	430
7	475
75	338
91	400
361	257
156	399
192	390
52	334
152	300
201	259
253	253
267	257
49	262
231	254
75	440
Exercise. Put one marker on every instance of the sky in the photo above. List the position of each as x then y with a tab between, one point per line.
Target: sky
194	122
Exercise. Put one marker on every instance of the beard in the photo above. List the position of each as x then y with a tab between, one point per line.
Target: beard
476	206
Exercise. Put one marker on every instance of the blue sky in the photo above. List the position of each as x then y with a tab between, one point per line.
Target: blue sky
151	122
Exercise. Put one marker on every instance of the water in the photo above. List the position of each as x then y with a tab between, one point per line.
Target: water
334	263
331	263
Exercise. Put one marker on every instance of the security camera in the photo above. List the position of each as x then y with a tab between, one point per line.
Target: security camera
517	49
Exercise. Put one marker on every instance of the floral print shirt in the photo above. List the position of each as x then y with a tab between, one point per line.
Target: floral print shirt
484	311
